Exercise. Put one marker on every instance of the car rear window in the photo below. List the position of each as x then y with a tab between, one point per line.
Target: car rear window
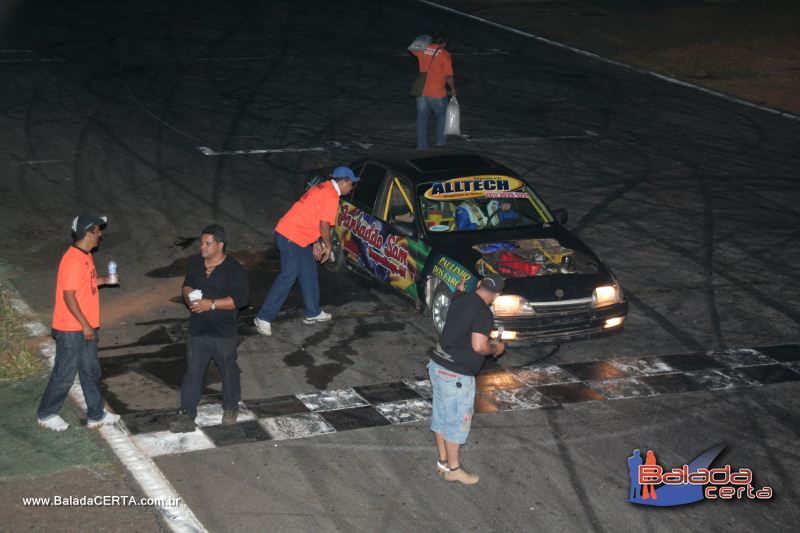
366	190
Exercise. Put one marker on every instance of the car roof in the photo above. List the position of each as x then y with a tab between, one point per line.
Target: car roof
426	165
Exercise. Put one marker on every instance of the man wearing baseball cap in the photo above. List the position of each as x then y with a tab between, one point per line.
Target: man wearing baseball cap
458	357
76	323
303	235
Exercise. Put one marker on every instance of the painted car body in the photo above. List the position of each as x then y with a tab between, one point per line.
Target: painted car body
466	215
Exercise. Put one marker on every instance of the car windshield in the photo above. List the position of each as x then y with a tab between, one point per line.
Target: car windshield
479	203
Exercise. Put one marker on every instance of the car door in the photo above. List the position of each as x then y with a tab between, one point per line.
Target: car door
358	230
403	254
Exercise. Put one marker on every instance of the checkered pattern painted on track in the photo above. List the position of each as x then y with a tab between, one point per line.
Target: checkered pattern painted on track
524	387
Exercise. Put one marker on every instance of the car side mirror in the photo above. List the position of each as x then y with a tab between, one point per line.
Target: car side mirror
561	215
406	229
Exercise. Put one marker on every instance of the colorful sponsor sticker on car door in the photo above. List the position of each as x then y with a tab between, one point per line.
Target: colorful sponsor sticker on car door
370	243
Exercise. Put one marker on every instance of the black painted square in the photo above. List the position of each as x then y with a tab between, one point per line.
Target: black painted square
594	370
687	362
386	392
570	393
354	418
240	433
672	383
149	421
783	353
278	406
768	374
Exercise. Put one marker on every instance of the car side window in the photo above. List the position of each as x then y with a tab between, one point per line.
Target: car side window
398	207
366	191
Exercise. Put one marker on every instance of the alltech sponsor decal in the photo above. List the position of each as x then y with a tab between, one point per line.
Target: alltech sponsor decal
656	486
473	187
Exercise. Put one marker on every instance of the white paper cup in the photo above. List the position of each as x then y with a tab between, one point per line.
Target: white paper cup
196	295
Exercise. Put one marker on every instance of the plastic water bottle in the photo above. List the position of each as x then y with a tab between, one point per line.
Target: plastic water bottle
112	272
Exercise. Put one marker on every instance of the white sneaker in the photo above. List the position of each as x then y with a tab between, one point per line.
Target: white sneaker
107	420
263	327
55	423
321	317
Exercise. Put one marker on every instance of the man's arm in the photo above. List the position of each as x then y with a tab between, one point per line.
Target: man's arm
204	304
450	82
481	345
325	231
75	309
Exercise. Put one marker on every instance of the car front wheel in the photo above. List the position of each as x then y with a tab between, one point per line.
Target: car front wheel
442	297
337	260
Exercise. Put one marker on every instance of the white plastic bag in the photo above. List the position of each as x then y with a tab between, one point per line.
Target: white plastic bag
420	43
452	120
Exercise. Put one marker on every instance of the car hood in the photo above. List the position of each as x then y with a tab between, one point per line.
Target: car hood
532	259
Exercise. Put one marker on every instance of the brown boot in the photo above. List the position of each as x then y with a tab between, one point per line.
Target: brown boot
229	416
461	475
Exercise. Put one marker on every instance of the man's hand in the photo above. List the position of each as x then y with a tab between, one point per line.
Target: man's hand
324	255
89	333
499	348
316	250
200	306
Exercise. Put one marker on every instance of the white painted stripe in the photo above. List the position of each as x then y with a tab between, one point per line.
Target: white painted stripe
499	140
180	518
611	61
36	60
210	152
43	161
331	145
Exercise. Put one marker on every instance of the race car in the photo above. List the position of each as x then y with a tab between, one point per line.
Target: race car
430	223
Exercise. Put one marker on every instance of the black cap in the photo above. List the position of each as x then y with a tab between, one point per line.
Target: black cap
493	282
81	223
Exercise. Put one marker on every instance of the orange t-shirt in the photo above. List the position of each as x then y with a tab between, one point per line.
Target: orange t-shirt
438	69
76	273
301	223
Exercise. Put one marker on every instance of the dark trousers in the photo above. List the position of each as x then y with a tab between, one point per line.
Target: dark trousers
74	355
199	352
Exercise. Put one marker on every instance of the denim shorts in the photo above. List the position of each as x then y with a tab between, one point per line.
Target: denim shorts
453	403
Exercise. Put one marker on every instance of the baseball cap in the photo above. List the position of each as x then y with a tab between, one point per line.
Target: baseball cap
493	282
81	223
344	172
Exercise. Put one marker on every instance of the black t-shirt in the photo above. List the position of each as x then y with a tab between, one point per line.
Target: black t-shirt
468	314
228	279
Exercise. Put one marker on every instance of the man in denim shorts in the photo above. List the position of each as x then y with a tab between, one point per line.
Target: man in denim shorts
456	360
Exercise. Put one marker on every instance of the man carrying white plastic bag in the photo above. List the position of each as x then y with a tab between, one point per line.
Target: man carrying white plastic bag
434	81
452	120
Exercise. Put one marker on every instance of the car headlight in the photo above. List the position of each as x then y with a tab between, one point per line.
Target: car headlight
511	305
606	295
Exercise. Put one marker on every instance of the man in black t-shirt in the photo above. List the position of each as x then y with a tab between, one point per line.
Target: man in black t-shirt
458	357
215	288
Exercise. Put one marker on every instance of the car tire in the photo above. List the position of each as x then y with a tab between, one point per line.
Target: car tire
337	261
440	303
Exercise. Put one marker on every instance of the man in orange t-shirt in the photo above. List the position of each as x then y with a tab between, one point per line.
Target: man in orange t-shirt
435	60
76	321
303	236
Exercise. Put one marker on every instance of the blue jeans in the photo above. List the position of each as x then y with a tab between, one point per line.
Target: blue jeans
426	104
453	403
297	263
74	355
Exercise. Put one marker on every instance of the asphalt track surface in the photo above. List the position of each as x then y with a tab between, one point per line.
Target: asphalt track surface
691	199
